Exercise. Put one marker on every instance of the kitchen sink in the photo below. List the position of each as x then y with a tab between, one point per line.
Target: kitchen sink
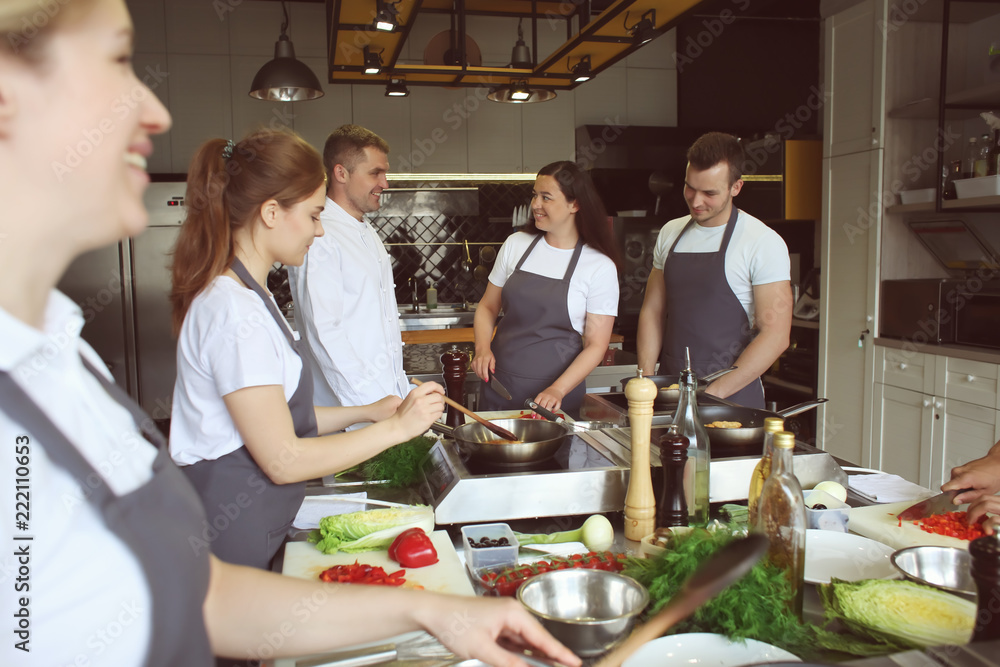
445	316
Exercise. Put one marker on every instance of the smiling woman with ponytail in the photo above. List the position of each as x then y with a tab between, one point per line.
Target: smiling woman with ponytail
243	422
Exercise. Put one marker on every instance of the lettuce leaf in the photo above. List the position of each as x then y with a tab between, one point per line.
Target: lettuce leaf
369	530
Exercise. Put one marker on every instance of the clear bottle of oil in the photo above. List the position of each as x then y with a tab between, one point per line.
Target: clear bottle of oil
699	450
763	469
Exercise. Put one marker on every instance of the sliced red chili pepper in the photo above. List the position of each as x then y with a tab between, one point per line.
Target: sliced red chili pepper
362	573
951	524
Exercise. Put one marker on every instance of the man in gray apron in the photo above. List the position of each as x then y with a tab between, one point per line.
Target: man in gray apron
535	341
254	536
719	284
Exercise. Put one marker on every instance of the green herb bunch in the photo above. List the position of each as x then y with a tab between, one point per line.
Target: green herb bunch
399	465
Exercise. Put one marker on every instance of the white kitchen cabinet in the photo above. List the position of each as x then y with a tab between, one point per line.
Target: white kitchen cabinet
848	254
904	422
855	69
931	413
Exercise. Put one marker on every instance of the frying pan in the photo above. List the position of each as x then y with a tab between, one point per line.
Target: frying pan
673	396
539	441
752	432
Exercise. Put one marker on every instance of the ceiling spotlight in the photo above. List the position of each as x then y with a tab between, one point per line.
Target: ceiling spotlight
285	79
520	93
386	16
396	88
581	70
373	61
520	57
645	30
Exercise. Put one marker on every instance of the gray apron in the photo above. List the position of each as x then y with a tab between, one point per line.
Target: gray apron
248	514
535	341
704	313
154	521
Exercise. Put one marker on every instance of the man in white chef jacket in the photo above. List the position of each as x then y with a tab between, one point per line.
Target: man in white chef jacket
345	301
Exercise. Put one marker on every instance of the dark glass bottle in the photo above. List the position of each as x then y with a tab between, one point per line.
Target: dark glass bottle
672	509
985	553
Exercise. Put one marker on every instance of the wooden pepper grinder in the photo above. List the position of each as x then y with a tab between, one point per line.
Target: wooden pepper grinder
455	363
640	503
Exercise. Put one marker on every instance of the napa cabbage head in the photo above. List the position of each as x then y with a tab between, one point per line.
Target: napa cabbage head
369	530
905	612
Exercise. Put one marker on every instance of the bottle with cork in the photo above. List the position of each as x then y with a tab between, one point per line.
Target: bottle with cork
690	426
782	518
763	469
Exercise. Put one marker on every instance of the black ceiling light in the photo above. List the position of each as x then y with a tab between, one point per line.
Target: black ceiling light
396	88
285	79
373	61
581	70
645	30
386	16
519	93
520	56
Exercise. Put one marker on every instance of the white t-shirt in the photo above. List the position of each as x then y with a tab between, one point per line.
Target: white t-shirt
757	255
592	289
228	341
88	598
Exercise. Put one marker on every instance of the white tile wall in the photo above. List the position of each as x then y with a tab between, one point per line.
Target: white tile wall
211	51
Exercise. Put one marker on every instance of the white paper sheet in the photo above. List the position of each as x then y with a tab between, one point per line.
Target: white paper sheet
887	488
315	508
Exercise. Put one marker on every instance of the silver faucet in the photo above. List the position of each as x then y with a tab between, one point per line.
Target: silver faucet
416	302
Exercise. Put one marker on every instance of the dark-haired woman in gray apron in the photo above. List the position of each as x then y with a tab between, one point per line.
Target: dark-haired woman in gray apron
256	529
538	351
705	315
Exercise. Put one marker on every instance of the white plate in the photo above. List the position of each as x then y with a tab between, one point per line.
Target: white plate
846	556
704	649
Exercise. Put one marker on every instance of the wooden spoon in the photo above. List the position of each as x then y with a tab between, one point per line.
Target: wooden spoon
724	567
499	430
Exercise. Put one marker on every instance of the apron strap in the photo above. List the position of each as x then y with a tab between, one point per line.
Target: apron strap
527	252
248	280
571	268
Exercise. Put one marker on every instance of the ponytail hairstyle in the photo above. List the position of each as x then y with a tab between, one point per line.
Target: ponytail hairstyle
592	222
227	184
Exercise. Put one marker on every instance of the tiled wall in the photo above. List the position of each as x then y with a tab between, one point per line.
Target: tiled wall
425	227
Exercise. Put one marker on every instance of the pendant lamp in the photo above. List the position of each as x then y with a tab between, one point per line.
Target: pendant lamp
285	79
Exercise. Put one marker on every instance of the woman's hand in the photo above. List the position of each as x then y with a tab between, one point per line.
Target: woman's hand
471	627
422	407
383	408
483	364
981	475
982	506
550	398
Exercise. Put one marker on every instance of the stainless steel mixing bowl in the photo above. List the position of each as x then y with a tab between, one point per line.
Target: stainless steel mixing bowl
947	568
590	611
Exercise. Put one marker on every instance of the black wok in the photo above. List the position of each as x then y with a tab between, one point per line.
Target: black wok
539	441
751	434
669	394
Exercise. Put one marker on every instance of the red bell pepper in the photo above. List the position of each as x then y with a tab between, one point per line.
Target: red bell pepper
413	548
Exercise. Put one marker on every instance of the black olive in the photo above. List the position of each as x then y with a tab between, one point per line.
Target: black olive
819	506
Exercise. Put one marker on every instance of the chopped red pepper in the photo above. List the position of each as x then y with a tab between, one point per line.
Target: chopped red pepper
361	573
413	548
952	524
507	580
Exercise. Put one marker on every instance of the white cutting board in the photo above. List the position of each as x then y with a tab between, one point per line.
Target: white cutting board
304	561
879	522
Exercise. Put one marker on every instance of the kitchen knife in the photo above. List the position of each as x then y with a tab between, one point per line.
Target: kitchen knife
943	502
499	388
